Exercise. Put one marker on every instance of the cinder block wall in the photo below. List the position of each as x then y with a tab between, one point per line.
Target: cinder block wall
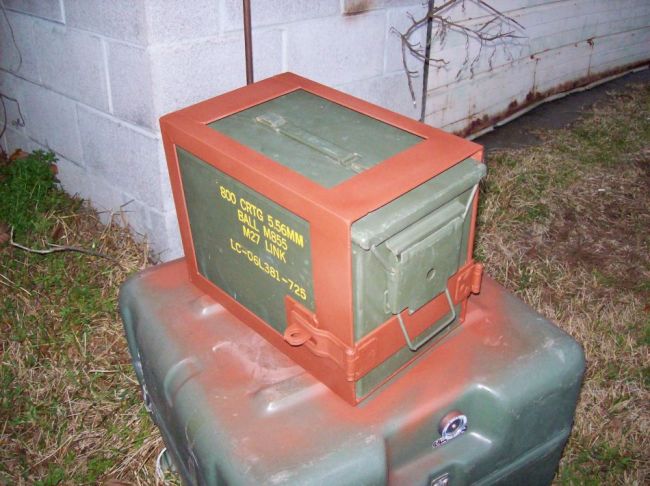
92	77
564	44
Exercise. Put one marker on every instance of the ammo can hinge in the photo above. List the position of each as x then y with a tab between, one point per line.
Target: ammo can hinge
303	329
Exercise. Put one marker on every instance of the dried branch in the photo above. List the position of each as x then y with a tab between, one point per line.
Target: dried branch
56	248
19	122
497	30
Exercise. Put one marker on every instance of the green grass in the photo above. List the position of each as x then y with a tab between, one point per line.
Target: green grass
71	408
28	194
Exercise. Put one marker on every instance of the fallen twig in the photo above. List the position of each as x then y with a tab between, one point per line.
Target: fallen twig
57	248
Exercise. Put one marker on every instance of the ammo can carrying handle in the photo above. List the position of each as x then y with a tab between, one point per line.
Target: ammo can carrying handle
338	154
415	347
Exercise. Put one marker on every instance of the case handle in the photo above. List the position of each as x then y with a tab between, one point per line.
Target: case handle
415	347
280	125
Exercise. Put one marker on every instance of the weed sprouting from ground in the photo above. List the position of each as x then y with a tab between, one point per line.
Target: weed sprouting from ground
71	409
28	194
566	225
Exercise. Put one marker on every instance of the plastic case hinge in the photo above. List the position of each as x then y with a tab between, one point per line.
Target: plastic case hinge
303	330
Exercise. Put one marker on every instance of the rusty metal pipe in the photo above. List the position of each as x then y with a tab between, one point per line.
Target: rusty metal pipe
248	41
425	67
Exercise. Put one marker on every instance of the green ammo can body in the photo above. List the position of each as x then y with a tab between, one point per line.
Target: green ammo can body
403	253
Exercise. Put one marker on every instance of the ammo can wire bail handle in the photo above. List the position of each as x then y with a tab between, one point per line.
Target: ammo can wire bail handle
452	318
414	347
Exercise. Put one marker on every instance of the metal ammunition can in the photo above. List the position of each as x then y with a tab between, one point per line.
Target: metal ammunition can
338	230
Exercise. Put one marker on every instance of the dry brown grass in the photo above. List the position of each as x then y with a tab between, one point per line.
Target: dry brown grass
566	225
71	408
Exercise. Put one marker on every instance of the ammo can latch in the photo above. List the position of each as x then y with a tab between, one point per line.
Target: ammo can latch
303	328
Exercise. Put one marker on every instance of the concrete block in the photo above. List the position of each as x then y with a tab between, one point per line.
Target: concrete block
618	40
9	82
508	6
51	120
135	215
542	22
496	90
575	21
477	14
458	53
390	91
20	57
438	106
47	9
164	235
129	72
495	101
12	87
450	103
74	179
618	50
562	65
105	196
461	65
580	24
166	197
460	11
467	12
16	139
636	18
455	127
632	55
490	94
268	58
272	12
72	62
487	94
399	20
186	73
337	50
168	21
555	40
359	6
127	158
119	19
